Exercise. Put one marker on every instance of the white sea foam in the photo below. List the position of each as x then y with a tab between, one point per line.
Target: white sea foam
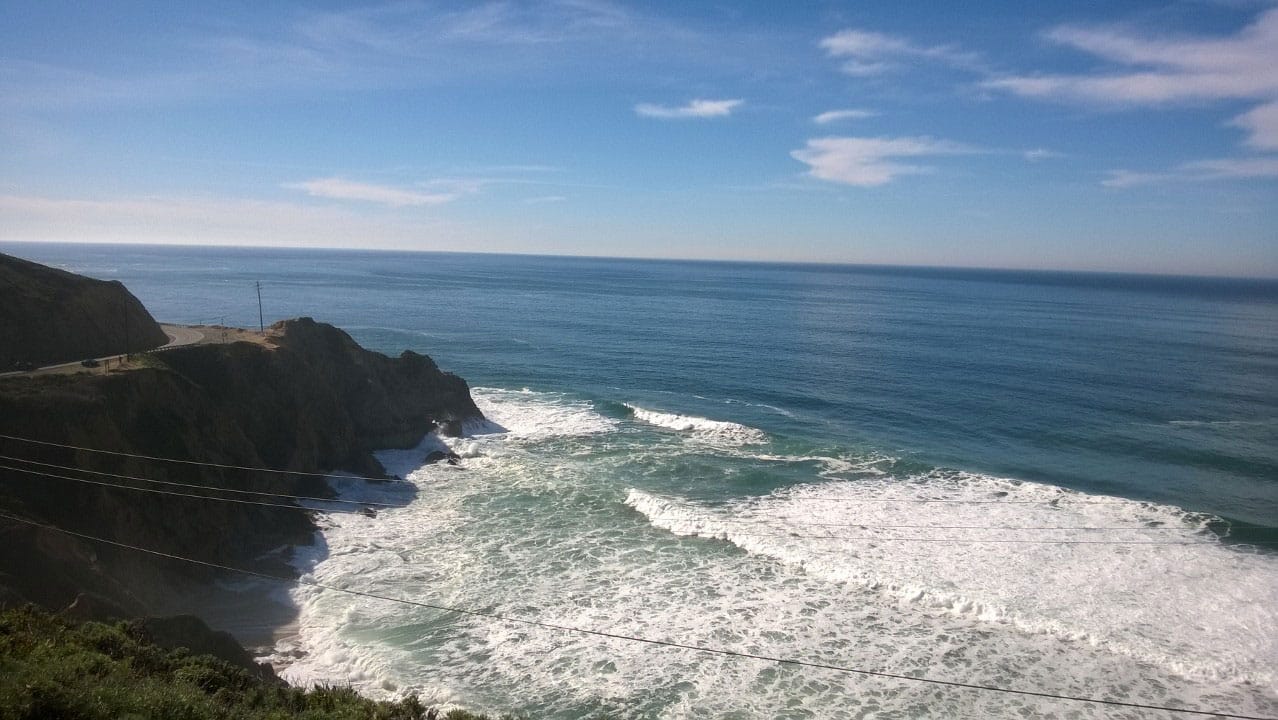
533	415
1036	557
835	467
702	429
531	527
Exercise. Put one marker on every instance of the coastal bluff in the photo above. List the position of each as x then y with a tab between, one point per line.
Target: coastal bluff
49	316
306	398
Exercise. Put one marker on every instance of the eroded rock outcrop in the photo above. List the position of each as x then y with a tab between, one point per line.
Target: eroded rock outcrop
309	399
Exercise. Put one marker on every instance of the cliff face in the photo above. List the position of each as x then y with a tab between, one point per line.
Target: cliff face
310	400
49	316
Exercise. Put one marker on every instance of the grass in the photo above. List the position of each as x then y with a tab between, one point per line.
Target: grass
50	668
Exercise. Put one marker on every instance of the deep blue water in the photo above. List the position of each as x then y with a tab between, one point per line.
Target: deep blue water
1016	479
1160	388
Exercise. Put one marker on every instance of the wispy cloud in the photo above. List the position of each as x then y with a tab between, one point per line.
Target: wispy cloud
867	53
1130	178
1199	171
1039	154
1153	70
213	220
1261	124
831	116
871	161
1149	70
335	188
694	109
378	46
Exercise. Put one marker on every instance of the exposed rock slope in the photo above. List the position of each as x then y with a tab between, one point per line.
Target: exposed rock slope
310	400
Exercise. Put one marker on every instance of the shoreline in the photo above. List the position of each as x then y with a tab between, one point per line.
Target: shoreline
270	626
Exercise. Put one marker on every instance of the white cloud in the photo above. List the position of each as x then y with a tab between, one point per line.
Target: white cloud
869	53
1261	124
214	220
830	116
1038	154
336	188
1199	171
694	109
1235	168
1160	70
868	161
1129	178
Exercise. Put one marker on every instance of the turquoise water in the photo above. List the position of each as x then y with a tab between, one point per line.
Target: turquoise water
1031	480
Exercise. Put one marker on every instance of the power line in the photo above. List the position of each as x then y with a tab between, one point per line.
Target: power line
339	475
192	462
706	533
733	521
700	532
199	487
633	638
155	490
1059	502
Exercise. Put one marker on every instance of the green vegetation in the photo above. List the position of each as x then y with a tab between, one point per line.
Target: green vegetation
50	668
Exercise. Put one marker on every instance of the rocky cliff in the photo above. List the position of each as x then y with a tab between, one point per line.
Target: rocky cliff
49	315
309	399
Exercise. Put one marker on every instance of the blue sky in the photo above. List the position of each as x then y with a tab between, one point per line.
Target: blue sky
1120	136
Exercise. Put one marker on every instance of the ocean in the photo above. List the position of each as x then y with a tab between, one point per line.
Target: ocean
1062	483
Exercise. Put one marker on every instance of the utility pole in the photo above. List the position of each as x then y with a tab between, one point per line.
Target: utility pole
124	308
261	324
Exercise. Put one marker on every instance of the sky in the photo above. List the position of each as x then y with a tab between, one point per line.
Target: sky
1117	136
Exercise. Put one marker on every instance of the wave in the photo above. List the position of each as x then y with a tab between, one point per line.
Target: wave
1141	579
531	415
817	570
1223	423
835	467
699	428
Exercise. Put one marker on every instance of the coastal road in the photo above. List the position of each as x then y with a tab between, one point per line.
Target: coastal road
179	335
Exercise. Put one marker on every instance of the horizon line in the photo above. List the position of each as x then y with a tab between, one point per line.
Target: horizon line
653	258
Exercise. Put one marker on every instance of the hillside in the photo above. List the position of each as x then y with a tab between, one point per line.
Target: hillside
310	400
305	398
49	315
50	668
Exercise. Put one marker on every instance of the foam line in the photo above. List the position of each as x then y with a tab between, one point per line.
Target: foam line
1155	603
699	428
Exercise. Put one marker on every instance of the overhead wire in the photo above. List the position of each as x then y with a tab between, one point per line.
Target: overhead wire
707	533
733	521
867	526
639	639
800	498
156	491
192	462
200	487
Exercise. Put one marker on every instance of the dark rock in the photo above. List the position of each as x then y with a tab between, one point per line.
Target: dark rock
435	456
311	400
